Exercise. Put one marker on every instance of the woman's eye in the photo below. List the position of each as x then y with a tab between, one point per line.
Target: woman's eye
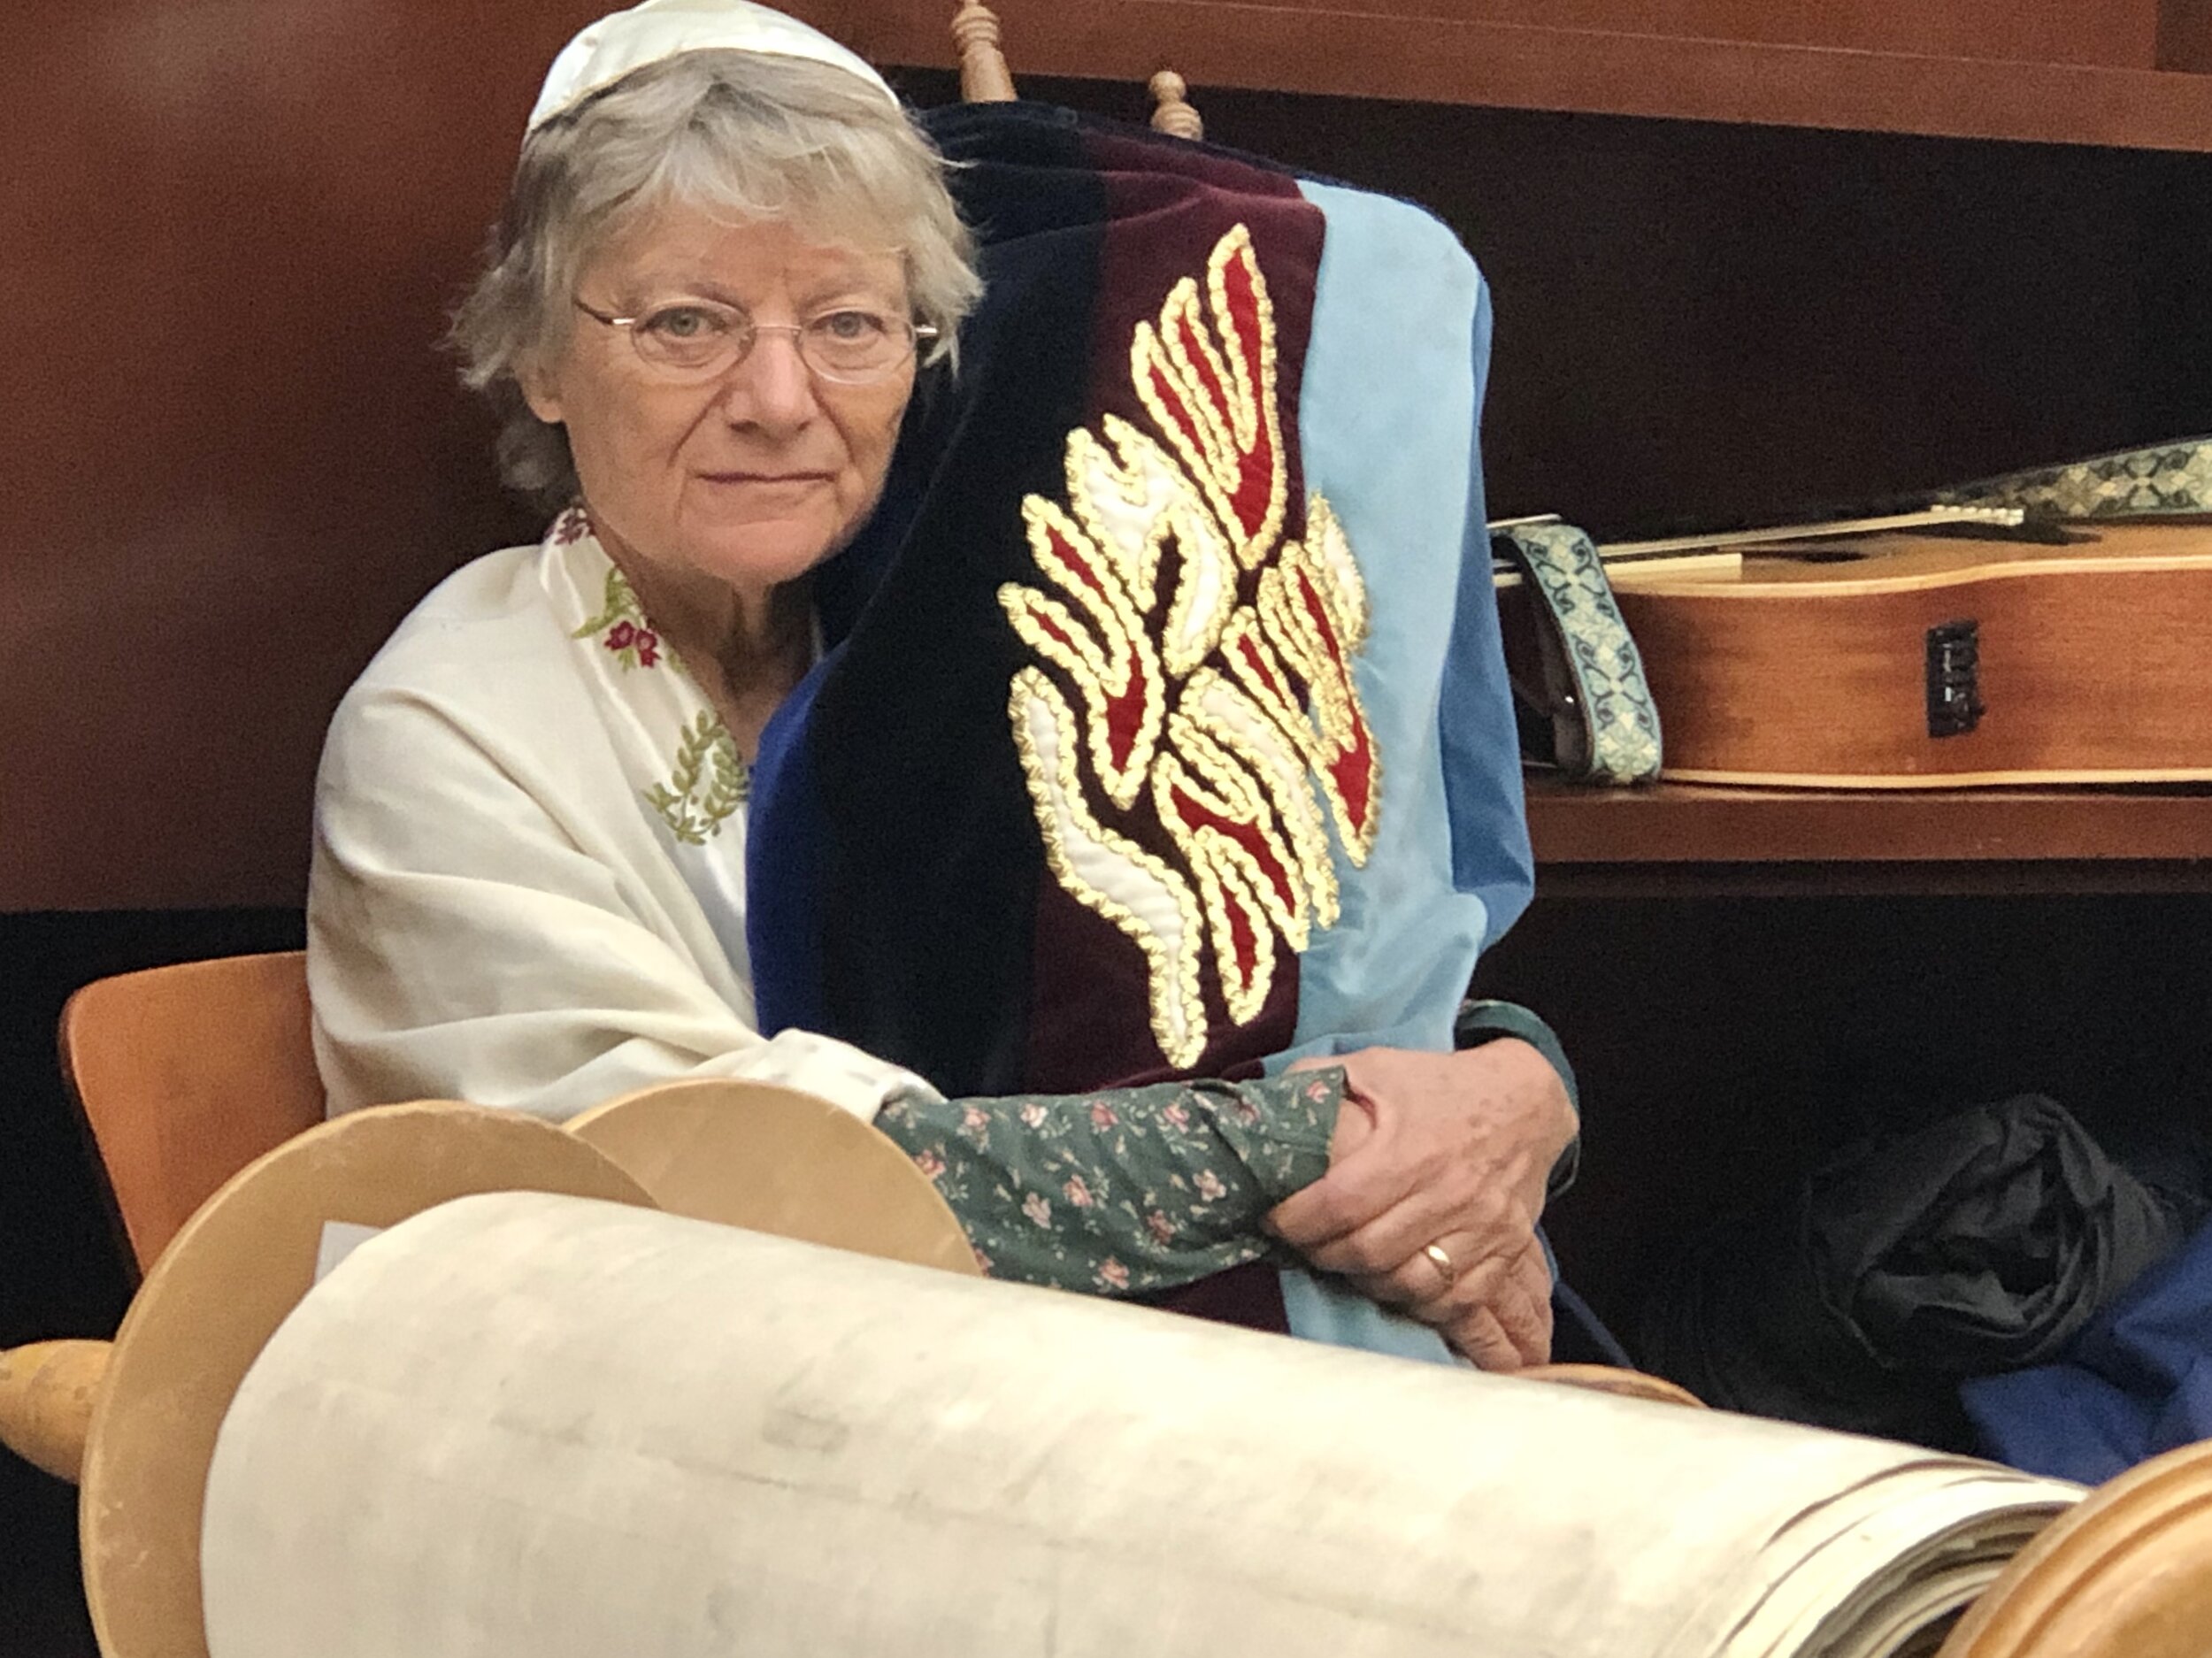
848	328
684	322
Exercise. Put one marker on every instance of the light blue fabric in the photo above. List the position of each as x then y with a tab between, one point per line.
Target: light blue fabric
1388	426
1322	1309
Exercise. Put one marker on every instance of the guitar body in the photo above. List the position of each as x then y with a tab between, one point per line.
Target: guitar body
1924	662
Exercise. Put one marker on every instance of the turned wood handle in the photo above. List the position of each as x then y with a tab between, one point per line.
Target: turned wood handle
1605	1379
46	1395
1174	116
984	76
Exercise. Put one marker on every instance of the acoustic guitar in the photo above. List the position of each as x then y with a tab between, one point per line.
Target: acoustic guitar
1905	661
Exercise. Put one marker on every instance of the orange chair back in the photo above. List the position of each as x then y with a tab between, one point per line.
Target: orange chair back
186	1074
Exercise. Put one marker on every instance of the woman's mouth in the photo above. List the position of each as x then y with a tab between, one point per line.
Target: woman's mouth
795	479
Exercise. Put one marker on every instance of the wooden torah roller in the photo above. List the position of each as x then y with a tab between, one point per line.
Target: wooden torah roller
142	1417
228	1278
2128	1574
47	1391
745	1153
775	1160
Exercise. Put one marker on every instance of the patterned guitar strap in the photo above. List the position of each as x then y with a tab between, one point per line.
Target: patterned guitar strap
1600	725
2163	480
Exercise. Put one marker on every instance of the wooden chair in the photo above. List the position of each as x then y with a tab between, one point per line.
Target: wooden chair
185	1075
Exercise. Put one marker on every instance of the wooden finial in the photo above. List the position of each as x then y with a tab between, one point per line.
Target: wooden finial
1174	117
46	1393
984	77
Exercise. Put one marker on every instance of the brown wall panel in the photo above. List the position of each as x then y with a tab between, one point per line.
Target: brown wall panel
232	453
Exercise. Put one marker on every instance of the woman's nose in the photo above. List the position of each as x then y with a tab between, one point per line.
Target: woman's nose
771	386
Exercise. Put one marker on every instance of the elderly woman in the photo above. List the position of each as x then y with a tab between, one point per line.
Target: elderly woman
727	259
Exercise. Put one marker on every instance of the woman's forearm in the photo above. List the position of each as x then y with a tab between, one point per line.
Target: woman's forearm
1125	1191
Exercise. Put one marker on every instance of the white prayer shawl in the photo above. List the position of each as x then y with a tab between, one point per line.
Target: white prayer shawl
528	886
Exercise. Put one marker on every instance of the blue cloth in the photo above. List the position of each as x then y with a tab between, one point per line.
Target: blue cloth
1451	868
2137	1380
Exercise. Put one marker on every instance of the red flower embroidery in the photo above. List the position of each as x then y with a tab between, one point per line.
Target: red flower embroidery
1162	1229
1113	1275
930	1163
1103	1115
629	636
1077	1192
571	525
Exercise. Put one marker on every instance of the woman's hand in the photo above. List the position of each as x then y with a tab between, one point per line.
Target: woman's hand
1454	1150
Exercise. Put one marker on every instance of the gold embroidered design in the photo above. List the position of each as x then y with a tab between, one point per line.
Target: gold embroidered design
1224	709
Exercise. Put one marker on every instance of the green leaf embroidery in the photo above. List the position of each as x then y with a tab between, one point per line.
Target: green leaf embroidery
628	634
709	784
621	606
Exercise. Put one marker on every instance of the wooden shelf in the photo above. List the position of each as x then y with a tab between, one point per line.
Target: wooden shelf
1678	837
1391	51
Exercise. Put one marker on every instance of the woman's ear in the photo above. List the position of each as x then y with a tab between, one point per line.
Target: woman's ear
540	389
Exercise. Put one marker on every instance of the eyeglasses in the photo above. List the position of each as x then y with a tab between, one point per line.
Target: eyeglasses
698	338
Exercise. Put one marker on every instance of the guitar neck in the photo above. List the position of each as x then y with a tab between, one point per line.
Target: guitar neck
1725	548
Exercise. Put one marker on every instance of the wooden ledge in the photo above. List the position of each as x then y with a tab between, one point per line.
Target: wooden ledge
1385	53
1682	838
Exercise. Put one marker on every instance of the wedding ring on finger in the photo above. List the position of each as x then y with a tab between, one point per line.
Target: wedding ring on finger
1441	1258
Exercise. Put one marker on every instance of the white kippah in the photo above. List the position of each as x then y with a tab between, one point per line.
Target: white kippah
606	51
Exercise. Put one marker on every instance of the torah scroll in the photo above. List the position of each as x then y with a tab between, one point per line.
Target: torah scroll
530	1426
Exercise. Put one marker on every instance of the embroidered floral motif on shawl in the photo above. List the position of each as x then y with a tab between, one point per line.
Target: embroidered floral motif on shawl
708	780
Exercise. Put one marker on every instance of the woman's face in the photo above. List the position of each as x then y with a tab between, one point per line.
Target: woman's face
751	477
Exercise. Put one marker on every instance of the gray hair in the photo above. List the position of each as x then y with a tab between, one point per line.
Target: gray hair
742	133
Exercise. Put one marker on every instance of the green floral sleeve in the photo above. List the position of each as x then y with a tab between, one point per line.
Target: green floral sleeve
1124	1192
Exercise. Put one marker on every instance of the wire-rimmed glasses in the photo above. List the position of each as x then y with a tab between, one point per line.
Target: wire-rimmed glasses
698	338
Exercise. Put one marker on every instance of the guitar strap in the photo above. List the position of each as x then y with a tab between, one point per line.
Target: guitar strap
1598	723
2164	480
